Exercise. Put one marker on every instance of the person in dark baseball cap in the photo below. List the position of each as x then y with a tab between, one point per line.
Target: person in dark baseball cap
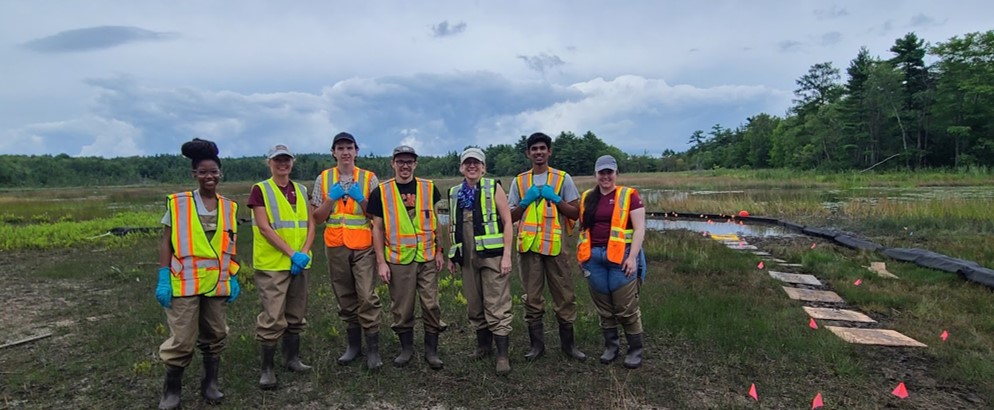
343	136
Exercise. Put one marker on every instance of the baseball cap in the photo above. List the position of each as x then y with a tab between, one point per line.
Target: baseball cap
606	162
343	136
278	150
473	153
404	149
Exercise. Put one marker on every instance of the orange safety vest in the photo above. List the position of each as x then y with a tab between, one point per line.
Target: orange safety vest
620	237
347	224
199	266
408	240
539	229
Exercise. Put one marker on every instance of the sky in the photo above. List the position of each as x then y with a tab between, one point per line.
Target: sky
122	78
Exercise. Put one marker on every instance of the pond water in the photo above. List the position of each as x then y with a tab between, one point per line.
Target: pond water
699	226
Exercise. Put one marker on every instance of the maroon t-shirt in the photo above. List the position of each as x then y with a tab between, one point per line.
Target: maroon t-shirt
256	199
600	233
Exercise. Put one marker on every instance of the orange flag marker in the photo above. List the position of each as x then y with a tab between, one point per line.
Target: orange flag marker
858	282
817	402
944	335
812	324
813	245
761	265
900	391
752	392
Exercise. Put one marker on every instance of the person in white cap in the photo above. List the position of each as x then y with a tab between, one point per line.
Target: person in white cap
480	240
282	234
408	253
612	228
340	199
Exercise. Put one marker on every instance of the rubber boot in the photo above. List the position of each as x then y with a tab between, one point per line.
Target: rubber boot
406	348
484	341
568	343
634	358
536	332
268	379
354	349
503	362
173	388
611	345
209	386
431	351
291	353
373	360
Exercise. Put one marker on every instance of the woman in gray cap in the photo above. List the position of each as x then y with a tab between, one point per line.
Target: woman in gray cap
478	209
612	223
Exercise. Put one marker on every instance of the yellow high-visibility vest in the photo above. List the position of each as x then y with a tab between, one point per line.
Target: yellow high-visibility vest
199	266
620	237
289	222
492	235
539	229
408	240
347	224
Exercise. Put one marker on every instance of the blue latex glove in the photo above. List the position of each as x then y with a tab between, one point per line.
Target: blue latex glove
548	192
355	192
164	289
530	196
236	289
336	192
298	262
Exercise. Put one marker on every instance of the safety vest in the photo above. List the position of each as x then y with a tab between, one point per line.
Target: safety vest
539	229
620	236
408	240
347	224
289	223
199	266
491	236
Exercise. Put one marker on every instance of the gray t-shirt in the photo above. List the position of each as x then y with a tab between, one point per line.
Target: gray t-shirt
568	192
346	180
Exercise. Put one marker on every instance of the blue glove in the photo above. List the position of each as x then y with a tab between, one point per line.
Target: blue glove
236	289
531	195
550	193
355	192
164	289
298	262
336	192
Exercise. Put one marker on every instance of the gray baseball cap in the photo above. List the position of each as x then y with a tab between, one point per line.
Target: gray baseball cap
606	162
404	149
278	150
475	153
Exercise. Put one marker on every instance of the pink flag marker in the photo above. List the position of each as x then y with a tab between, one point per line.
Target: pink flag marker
858	282
944	335
817	403
761	265
813	245
812	324
752	392
900	391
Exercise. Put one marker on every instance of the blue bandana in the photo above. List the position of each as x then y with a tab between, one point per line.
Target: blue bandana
466	196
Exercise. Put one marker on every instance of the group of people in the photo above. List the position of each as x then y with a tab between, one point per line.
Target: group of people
390	230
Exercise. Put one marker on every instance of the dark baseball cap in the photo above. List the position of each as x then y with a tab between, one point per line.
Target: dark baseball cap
404	149
343	136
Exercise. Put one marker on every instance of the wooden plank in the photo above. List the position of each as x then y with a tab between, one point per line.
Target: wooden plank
812	295
838	314
882	337
795	278
881	269
27	340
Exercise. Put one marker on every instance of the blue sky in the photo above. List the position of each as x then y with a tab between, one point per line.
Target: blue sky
117	78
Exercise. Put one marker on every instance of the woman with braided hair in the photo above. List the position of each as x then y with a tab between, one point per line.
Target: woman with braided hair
197	271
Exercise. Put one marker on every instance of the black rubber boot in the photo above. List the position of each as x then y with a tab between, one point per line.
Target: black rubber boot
354	349
431	351
291	353
267	381
406	348
484	344
373	360
503	361
634	358
568	343
209	386
611	345
536	332
173	388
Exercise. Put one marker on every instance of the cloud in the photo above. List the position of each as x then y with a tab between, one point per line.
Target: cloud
94	38
922	21
789	46
100	136
444	30
831	13
831	38
542	62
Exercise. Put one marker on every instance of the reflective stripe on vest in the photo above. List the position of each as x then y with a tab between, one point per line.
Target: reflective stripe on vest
347	223
620	236
491	237
539	229
408	240
199	266
289	222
